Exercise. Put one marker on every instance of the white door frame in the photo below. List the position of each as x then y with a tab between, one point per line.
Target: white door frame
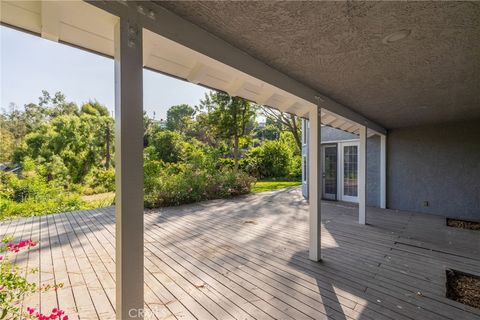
340	190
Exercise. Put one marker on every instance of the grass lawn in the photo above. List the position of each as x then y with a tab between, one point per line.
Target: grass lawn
269	185
100	199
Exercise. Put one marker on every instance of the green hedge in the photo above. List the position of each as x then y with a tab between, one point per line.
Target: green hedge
33	195
273	159
179	183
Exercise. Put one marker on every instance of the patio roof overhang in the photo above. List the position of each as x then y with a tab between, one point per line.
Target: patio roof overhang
144	35
181	49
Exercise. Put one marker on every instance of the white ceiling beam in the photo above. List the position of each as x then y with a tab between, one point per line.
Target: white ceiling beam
346	126
352	129
309	108
293	107
303	109
328	119
349	126
235	87
289	104
196	73
337	123
50	20
265	96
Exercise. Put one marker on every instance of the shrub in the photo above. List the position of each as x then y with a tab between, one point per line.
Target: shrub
32	196
54	170
192	152
174	184
287	138
296	167
229	183
167	145
227	163
252	163
100	181
62	202
276	159
272	159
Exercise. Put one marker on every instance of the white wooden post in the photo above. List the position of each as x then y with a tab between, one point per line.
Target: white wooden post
362	176
314	183
383	171
129	169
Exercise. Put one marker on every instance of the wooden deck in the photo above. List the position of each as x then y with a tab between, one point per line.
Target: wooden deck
246	258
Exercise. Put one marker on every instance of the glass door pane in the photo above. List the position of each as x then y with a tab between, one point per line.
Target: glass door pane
350	171
330	172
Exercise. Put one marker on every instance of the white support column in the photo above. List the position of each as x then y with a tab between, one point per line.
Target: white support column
383	171
129	169
314	183
362	176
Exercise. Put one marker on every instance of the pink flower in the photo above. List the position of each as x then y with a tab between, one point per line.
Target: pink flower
15	247
56	314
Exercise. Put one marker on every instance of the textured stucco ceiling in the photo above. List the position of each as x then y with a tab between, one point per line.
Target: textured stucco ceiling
336	48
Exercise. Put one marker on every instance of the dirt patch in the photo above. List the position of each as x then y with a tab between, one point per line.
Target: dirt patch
463	224
463	287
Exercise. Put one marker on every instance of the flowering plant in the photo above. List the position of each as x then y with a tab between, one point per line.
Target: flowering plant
14	286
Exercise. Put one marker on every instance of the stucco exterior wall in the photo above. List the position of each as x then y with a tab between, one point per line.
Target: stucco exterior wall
373	171
439	164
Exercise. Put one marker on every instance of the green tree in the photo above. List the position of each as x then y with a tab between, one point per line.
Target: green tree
230	118
167	145
269	131
202	131
149	128
6	146
78	141
15	122
180	117
285	122
56	106
94	108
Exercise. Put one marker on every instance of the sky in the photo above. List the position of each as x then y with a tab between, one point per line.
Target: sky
30	64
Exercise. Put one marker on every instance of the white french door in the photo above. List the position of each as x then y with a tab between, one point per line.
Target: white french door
348	168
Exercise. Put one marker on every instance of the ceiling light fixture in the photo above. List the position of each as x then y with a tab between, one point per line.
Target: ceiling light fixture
397	36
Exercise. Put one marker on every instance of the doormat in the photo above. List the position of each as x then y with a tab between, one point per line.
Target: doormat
463	287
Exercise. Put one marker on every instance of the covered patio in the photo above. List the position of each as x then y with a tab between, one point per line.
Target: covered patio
247	258
273	255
